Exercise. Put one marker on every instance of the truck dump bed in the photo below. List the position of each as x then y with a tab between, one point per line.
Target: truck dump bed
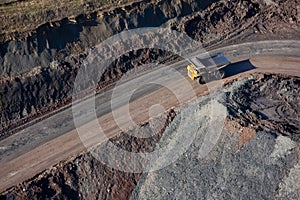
216	60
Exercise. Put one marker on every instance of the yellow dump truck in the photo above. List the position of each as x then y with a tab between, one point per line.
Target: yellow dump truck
208	67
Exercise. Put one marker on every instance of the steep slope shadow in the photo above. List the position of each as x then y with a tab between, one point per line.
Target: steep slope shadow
230	70
238	67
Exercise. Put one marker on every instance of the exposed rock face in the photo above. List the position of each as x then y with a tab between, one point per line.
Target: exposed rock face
57	49
65	37
37	72
229	172
84	177
253	157
269	103
258	152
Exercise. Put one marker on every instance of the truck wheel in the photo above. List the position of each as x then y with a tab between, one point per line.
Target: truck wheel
202	80
222	73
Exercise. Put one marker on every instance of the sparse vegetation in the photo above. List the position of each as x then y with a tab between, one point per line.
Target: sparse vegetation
25	16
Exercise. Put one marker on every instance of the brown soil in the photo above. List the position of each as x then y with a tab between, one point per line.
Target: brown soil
31	87
273	104
28	91
84	177
245	134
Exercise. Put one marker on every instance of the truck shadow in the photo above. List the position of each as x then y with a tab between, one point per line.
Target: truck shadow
239	67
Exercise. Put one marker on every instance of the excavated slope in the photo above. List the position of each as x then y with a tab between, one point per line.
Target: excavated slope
256	156
37	71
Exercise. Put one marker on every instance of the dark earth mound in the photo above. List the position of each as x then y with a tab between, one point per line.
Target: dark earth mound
38	68
257	154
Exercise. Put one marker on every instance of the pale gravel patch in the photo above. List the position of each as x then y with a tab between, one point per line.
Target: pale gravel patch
258	170
290	187
282	147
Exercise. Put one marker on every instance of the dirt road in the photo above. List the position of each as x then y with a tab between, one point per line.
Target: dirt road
35	148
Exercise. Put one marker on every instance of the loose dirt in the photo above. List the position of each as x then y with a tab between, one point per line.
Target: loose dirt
245	152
